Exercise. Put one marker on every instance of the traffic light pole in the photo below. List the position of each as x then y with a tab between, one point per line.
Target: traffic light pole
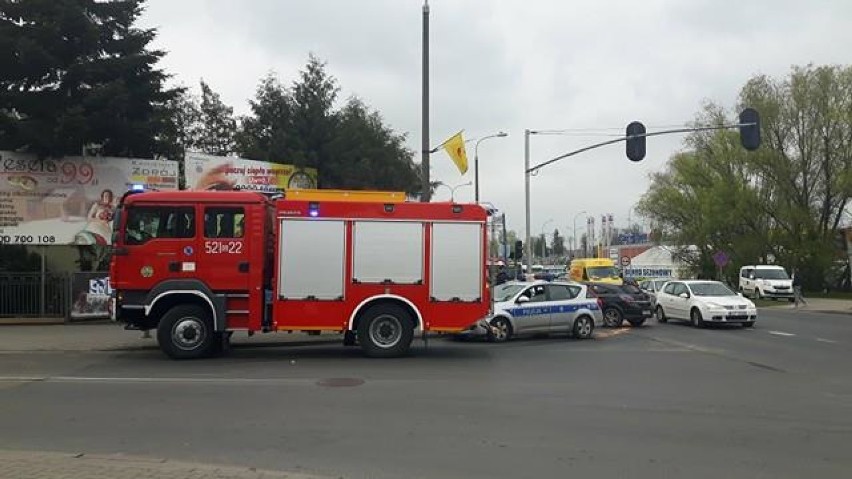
631	137
528	171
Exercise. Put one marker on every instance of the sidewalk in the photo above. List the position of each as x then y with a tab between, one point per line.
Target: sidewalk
51	465
109	336
818	305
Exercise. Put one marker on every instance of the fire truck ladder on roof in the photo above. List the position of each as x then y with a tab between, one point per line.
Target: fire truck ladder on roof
370	196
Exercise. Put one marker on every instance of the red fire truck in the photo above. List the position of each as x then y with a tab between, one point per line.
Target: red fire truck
199	265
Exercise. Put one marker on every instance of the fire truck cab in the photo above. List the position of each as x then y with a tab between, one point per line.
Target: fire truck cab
199	265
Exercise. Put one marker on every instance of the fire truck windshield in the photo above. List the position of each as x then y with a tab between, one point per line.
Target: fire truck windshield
146	223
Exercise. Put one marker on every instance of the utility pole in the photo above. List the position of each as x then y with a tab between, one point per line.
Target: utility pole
424	143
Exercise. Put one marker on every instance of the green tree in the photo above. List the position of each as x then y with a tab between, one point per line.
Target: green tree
351	147
214	130
313	120
558	244
266	134
181	127
783	202
77	72
16	258
367	154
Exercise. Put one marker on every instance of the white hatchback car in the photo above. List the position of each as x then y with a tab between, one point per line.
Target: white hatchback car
703	302
543	307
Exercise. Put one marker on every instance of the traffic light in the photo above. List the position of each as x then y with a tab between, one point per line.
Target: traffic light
519	249
635	146
750	129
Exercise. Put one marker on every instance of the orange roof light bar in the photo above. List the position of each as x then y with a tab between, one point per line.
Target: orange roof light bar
346	195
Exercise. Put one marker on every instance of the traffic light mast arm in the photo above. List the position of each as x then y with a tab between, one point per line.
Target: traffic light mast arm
535	168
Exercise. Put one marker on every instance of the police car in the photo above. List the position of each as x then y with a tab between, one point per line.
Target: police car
542	307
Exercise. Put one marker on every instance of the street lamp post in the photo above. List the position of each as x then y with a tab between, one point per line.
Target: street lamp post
453	189
476	160
575	242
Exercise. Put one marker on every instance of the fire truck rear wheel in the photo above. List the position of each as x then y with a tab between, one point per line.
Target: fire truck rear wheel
385	330
186	332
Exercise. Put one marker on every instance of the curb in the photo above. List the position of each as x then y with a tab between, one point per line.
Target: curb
807	310
84	465
31	321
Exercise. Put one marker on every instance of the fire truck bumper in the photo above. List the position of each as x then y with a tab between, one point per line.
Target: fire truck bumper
479	328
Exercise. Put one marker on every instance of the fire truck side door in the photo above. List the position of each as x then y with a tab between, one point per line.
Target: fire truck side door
160	240
224	250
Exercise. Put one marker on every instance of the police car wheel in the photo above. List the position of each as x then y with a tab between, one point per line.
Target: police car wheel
186	332
583	327
502	330
385	330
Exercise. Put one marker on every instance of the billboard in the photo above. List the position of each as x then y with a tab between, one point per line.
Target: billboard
210	172
70	200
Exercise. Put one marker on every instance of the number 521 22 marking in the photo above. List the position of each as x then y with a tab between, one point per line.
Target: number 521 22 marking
223	247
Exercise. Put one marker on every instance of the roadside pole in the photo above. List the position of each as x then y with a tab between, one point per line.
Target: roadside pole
41	309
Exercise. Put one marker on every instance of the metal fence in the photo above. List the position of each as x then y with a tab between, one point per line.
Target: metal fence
26	295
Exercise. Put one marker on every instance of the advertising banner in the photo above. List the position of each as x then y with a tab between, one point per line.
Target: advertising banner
210	172
70	200
90	295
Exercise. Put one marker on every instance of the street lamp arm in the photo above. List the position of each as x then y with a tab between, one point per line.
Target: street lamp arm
631	137
476	161
495	135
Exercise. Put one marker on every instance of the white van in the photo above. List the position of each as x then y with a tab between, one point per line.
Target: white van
766	281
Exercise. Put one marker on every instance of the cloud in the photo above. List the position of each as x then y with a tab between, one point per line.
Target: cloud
508	65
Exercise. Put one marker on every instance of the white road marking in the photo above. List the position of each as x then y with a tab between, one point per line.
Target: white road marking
85	379
781	333
822	340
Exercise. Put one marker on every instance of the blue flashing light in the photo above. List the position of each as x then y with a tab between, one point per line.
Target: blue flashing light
138	187
313	209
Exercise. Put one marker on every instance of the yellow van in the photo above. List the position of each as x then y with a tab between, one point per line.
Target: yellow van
599	270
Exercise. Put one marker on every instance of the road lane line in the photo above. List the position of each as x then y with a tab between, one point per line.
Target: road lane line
185	380
781	333
830	341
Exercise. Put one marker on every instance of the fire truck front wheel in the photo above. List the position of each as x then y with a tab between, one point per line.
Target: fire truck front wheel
186	332
385	330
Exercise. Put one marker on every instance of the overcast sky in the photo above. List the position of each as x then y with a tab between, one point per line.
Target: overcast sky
513	65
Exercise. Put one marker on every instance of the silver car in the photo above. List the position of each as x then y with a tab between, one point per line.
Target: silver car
543	307
652	287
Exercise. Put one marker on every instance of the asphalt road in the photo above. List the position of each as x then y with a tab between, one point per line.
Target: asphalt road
661	401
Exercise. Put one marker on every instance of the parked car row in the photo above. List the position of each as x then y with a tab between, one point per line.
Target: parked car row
524	307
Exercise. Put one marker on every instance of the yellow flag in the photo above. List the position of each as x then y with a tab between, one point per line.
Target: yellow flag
455	148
